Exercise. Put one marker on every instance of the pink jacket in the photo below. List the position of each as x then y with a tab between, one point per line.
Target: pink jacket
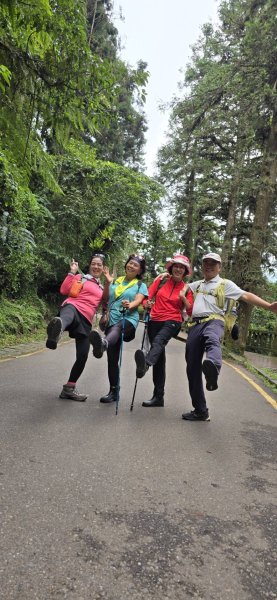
89	297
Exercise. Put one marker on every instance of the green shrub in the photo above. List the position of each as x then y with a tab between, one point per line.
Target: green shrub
18	318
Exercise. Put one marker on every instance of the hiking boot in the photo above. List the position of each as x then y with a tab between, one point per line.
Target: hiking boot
142	366
211	374
110	397
70	392
54	333
99	344
196	416
155	401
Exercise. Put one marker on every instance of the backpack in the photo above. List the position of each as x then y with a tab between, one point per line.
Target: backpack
230	315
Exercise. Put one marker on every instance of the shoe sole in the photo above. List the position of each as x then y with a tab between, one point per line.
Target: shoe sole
211	375
194	419
107	401
96	342
54	331
140	363
67	397
161	405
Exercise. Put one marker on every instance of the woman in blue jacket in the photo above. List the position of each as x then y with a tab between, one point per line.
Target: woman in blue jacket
125	293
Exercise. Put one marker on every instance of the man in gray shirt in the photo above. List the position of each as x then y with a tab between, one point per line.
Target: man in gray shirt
206	331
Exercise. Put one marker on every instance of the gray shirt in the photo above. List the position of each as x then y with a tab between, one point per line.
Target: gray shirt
205	303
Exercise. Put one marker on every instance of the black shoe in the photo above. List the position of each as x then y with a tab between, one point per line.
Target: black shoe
54	333
196	416
235	332
211	373
110	397
70	392
142	366
154	402
98	344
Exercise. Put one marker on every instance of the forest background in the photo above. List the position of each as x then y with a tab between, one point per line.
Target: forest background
72	173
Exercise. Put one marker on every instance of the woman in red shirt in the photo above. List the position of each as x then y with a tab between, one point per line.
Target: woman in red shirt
167	300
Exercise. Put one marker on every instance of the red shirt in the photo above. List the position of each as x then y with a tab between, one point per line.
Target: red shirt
168	305
88	299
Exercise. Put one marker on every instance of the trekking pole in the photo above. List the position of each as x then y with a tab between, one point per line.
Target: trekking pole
146	321
120	359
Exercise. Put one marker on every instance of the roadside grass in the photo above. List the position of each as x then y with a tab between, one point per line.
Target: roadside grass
9	339
23	321
272	373
265	377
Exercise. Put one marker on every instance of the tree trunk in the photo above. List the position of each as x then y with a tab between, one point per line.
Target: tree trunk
188	235
264	203
227	246
92	22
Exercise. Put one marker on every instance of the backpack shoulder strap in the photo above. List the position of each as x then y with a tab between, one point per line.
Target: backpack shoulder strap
161	283
196	291
219	293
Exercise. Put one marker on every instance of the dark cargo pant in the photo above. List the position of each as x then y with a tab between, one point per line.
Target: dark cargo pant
202	337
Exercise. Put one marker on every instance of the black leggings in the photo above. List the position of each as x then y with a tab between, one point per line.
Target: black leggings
82	343
113	335
82	352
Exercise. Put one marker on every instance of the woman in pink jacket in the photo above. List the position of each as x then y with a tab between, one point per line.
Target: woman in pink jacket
75	316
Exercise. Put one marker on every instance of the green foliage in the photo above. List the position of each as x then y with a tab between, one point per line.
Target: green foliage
67	102
123	140
220	164
156	242
19	318
100	204
5	77
213	166
262	320
17	243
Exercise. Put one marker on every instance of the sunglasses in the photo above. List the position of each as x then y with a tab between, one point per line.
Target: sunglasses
137	257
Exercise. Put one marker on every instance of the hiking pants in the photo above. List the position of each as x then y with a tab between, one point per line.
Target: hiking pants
202	337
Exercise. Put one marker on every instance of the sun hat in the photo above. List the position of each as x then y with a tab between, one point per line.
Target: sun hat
179	259
213	256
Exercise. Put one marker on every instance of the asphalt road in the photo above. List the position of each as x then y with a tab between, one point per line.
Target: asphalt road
142	505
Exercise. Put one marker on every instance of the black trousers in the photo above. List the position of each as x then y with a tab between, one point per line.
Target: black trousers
70	322
160	332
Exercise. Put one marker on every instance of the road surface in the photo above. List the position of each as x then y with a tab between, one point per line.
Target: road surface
142	505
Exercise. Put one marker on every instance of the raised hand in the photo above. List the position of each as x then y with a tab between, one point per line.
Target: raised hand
183	292
74	266
107	275
273	307
149	303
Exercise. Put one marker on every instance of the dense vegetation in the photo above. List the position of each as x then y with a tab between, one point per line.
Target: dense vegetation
71	150
220	162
